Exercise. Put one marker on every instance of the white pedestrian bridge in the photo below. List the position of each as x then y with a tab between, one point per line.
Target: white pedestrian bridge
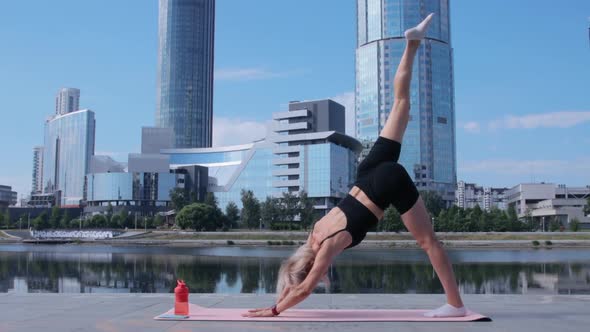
88	234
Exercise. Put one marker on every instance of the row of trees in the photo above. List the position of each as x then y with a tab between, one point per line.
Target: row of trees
288	212
61	218
456	219
274	213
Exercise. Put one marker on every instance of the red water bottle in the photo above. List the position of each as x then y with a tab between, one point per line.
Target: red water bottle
181	298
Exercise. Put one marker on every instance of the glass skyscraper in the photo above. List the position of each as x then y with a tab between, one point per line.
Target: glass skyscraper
184	99
428	150
69	145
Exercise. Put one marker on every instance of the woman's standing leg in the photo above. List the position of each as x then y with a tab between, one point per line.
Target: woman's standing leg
417	221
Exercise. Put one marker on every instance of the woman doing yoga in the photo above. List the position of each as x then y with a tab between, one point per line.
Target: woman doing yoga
380	181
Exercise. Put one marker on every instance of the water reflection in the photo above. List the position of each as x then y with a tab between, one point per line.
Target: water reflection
93	269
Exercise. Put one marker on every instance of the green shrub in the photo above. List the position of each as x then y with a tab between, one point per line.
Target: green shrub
548	242
536	243
288	243
230	242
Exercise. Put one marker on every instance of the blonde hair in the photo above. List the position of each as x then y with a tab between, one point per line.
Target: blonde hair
296	268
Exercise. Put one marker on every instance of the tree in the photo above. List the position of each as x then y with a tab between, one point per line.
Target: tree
2	219
158	220
218	217
109	214
392	221
307	211
98	221
289	207
587	206
55	218
65	219
40	223
574	225
116	221
251	209
7	218
269	212
210	199
433	201
199	216
178	198
123	219
232	214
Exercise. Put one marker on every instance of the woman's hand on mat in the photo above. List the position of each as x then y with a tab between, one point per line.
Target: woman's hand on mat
260	312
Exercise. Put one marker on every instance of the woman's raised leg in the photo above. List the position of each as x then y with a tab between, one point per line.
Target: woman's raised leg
398	118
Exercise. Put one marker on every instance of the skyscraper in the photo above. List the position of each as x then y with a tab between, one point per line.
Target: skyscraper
428	150
67	101
184	99
69	145
37	183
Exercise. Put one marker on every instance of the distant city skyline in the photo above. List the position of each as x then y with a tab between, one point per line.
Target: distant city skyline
521	100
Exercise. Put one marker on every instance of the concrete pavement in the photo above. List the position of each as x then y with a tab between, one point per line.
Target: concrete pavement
134	312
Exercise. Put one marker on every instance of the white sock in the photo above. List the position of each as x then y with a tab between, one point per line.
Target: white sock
418	32
447	310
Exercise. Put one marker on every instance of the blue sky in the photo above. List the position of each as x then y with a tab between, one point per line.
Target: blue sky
522	74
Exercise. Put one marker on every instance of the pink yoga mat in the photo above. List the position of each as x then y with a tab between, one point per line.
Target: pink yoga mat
317	315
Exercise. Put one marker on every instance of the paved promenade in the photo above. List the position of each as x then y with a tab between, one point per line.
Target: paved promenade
134	312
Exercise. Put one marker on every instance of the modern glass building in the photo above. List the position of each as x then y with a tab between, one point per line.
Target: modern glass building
184	97
131	189
428	150
69	145
294	158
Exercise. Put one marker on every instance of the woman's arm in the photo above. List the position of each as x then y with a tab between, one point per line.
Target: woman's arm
295	294
303	290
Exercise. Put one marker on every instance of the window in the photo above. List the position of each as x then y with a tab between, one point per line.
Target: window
442	120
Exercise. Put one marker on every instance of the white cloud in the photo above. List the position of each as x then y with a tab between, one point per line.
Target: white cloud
472	127
247	74
232	131
580	166
347	100
564	119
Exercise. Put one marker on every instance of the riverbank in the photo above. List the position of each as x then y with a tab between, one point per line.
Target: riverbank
295	238
133	312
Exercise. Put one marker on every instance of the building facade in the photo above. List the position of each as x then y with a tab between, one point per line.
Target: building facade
7	196
37	175
469	195
184	97
67	101
428	150
294	157
547	202
69	146
142	185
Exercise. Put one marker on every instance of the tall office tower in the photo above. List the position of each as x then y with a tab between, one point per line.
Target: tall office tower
67	101
428	150
37	183
184	96
69	145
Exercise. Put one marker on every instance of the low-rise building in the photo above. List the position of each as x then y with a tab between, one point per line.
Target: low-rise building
547	202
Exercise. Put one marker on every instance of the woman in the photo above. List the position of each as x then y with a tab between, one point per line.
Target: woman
380	181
